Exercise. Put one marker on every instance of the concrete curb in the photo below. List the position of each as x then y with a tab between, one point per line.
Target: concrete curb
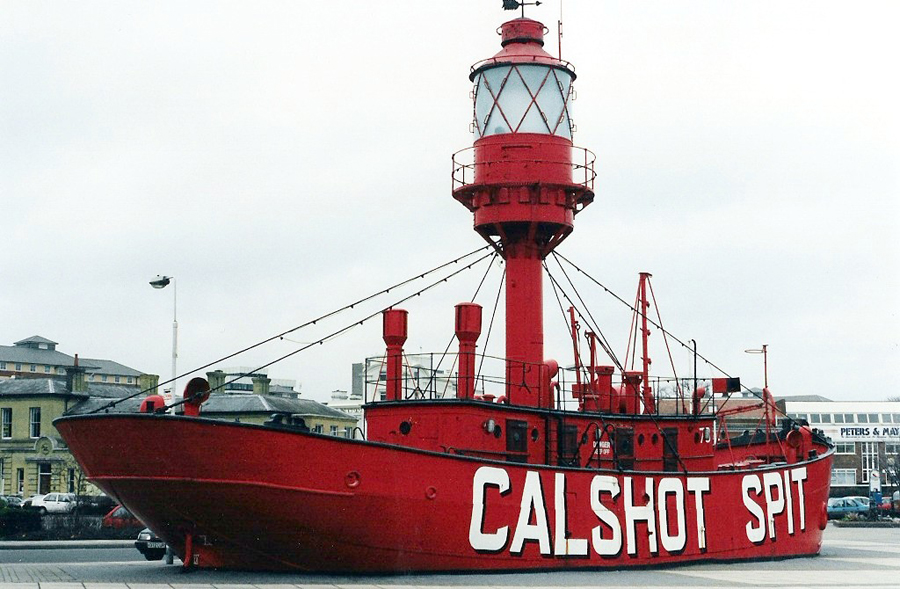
866	524
55	544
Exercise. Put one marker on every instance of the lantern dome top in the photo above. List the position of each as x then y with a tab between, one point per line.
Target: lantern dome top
522	40
522	30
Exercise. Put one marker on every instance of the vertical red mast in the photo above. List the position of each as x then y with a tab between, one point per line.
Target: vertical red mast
519	181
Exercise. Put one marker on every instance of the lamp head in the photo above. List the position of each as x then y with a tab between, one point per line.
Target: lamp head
161	281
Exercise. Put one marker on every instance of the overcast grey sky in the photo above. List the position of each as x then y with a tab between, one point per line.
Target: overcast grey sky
283	158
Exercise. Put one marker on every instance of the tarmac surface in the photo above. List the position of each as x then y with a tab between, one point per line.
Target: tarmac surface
851	558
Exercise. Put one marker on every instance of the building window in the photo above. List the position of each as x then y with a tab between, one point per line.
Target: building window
117	379
862	418
60	370
891	449
2	365
873	418
35	422
839	418
814	418
72	480
348	432
333	430
130	380
845	448
46	369
869	459
103	378
318	429
6	422
45	475
20	481
848	418
843	477
896	417
886	418
33	367
826	418
18	366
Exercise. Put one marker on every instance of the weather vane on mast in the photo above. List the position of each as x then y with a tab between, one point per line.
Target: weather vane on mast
514	4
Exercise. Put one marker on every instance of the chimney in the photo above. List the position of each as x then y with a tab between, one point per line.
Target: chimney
75	378
394	330
468	328
149	383
216	380
261	385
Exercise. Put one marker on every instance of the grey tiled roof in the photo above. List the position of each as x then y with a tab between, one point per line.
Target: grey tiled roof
108	367
93	404
33	386
35	356
223	404
805	399
36	339
251	403
57	386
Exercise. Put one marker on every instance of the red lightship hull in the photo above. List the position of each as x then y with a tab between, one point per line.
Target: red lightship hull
243	496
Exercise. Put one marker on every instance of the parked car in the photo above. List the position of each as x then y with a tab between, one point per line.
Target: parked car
150	545
838	507
28	502
95	504
119	517
12	500
55	503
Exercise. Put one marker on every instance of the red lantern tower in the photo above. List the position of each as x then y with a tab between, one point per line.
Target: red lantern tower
523	185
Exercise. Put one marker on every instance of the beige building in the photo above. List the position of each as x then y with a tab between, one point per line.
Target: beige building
34	459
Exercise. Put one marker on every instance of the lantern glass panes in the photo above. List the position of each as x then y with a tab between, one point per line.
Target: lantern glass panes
522	99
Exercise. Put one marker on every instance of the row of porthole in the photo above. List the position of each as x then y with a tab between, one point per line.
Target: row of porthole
406	427
698	437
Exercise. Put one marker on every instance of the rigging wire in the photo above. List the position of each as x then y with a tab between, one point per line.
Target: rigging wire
654	323
590	322
487	337
556	292
666	341
494	257
344	329
604	343
683	344
315	321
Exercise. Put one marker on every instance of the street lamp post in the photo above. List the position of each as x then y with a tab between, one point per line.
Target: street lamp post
765	353
162	282
767	397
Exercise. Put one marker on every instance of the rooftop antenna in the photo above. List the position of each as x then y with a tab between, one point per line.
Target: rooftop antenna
514	4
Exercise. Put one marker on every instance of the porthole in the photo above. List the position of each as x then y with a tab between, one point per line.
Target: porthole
640	439
654	439
535	435
498	431
405	427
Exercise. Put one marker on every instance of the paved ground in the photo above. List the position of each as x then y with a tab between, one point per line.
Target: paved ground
851	558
